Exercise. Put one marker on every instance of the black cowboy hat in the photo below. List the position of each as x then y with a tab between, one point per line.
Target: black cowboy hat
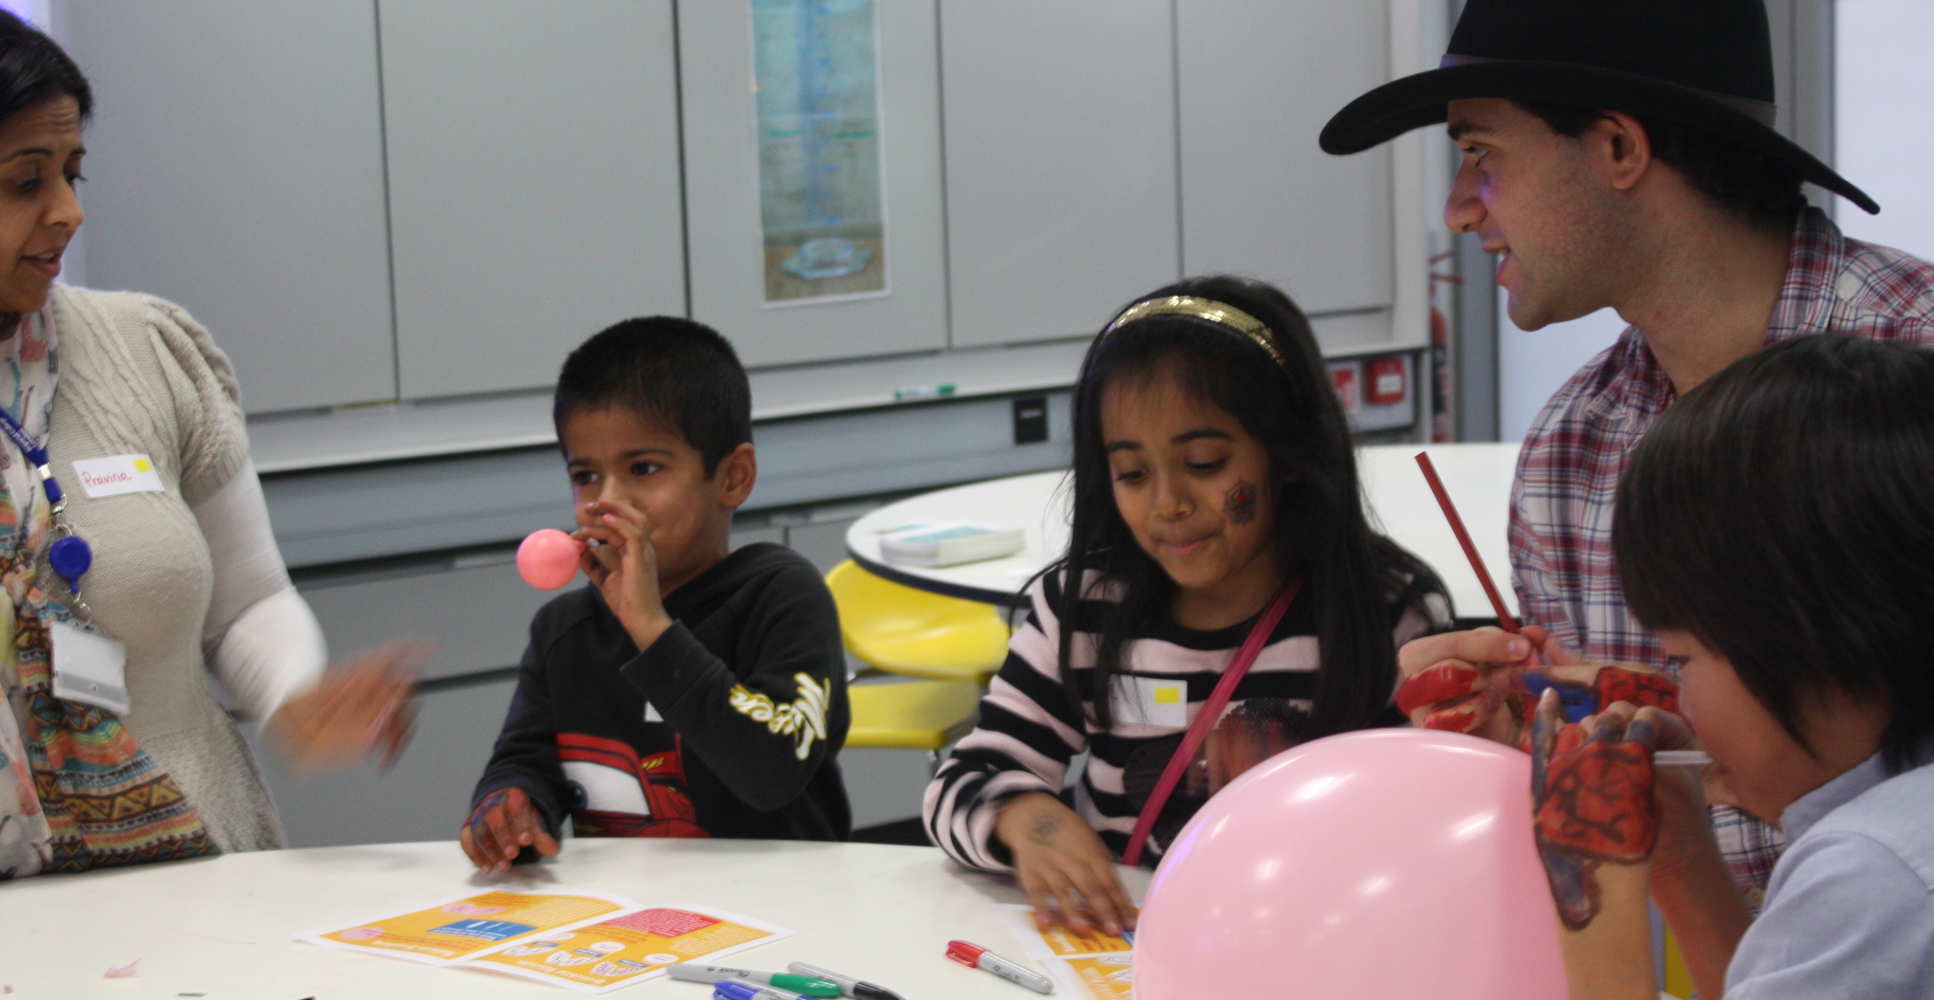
1706	64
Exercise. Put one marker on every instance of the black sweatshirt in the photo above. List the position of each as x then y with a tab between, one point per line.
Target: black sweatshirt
726	727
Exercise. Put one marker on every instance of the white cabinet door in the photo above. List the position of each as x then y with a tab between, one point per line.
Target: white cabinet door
533	168
1258	80
1061	174
734	266
235	165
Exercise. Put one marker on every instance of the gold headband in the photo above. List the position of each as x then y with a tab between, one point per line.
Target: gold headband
1204	309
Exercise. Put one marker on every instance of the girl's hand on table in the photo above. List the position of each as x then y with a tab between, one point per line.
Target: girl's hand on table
1066	870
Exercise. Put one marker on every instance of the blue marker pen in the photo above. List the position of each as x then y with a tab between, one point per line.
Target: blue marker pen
739	989
1574	703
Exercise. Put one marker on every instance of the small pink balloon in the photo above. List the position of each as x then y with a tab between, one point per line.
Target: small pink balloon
1384	863
548	559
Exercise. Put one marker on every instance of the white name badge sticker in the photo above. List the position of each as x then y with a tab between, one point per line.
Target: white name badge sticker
1151	701
89	667
117	474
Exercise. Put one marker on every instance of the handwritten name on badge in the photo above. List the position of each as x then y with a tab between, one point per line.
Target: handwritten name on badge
114	475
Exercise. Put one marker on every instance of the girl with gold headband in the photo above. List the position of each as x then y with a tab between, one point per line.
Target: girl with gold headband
1232	601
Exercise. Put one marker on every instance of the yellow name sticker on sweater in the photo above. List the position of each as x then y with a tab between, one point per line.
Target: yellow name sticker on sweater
117	474
1151	701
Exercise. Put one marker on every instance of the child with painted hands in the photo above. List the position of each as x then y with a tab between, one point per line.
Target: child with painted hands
1215	497
693	690
1802	469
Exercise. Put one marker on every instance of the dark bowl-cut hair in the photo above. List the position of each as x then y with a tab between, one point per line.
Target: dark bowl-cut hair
670	371
34	70
1353	576
1780	513
1756	187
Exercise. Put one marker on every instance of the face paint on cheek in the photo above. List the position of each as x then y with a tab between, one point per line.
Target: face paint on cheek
1239	504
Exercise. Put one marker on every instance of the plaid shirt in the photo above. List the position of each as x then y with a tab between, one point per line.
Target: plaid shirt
1568	471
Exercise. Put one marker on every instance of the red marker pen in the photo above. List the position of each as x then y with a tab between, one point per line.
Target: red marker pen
975	956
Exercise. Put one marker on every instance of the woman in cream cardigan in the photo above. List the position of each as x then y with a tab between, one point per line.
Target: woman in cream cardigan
113	747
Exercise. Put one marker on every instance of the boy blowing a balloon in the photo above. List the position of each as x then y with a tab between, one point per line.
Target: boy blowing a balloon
691	690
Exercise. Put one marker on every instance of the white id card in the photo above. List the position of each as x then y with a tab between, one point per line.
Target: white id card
89	667
1151	701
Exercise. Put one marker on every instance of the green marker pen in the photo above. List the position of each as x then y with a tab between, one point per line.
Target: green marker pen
803	985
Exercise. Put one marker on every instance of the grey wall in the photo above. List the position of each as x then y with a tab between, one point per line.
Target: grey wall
423	203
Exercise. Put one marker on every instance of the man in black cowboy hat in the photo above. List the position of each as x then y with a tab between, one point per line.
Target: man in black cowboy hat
1620	153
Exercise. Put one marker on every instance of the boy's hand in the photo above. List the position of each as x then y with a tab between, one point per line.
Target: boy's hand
1062	864
499	829
359	707
624	567
1594	805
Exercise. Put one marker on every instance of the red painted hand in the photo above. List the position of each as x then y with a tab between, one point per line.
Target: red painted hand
1640	688
1592	800
1470	682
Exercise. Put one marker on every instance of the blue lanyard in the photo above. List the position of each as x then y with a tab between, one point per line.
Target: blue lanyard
69	554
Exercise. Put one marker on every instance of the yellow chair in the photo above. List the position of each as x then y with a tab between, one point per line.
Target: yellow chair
914	633
952	644
911	715
1678	979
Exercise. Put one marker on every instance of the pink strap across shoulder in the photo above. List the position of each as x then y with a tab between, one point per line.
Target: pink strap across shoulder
1206	719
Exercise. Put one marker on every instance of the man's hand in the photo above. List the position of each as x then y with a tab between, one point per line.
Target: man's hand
1469	682
1062	864
1486	682
499	829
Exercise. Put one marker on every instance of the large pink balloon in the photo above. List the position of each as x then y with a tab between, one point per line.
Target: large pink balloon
1385	863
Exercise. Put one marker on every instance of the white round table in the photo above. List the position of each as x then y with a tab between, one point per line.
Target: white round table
225	926
1477	476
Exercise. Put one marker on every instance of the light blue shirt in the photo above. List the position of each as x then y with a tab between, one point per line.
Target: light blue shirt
1850	910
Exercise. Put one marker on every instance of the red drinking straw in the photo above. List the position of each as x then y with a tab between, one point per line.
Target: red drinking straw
1464	538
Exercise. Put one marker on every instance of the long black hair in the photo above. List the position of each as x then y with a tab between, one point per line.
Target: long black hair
34	70
1353	575
1780	514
